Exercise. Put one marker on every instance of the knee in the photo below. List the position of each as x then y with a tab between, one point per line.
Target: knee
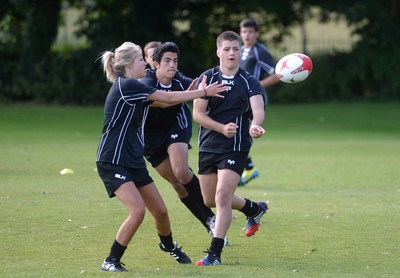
183	174
209	202
222	197
160	213
138	213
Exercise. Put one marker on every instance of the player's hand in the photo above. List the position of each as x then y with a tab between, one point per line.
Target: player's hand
213	90
203	82
230	130
256	131
193	84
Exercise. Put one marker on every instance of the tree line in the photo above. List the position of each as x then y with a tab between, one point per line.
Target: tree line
33	69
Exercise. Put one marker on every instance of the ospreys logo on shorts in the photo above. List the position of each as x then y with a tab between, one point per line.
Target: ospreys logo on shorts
231	161
119	176
174	136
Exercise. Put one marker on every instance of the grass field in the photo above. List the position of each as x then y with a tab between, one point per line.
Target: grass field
331	174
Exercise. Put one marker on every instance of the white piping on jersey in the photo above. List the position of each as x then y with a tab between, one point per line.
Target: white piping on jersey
116	115
248	89
238	136
110	125
180	83
140	133
237	140
122	134
261	65
198	136
182	119
130	98
145	113
267	67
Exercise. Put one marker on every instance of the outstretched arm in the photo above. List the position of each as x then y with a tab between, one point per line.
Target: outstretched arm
174	97
269	80
165	105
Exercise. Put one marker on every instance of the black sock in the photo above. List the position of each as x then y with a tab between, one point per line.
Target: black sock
250	208
194	209
216	246
203	213
167	241
249	164
117	250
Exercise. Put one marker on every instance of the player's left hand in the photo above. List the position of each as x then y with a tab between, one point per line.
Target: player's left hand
256	131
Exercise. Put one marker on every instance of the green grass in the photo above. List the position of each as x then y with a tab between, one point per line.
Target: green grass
329	171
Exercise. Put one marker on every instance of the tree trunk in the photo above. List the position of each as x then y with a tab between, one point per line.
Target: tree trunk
38	36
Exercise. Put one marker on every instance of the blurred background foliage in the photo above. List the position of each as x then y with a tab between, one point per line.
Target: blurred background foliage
37	66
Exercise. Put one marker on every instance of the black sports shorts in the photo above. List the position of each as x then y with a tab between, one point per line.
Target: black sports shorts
212	162
158	154
114	176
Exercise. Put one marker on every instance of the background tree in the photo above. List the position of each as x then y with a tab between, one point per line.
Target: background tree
109	23
200	22
34	70
12	19
371	70
37	36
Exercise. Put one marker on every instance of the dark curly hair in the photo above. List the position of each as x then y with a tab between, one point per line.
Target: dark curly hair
165	47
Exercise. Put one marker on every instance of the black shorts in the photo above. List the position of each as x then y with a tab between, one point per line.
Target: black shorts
114	176
212	162
156	155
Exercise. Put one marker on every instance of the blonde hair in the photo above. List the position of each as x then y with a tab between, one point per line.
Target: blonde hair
114	63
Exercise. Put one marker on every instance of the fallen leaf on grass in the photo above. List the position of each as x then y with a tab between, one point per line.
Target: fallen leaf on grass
66	171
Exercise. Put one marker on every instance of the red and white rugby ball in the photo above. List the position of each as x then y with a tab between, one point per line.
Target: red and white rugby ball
293	68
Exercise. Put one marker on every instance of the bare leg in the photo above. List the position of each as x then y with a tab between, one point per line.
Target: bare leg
165	171
226	186
132	200
156	206
178	153
208	184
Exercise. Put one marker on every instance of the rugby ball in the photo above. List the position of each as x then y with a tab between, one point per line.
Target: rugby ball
293	68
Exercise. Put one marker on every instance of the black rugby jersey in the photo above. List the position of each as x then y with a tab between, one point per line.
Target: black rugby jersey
235	107
159	121
122	137
257	61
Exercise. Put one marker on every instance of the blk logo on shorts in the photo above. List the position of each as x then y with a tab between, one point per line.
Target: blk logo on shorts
119	176
174	136
231	161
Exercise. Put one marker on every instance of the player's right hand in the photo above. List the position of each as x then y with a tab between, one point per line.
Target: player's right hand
230	130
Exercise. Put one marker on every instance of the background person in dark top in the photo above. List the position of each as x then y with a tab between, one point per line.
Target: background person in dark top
256	60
